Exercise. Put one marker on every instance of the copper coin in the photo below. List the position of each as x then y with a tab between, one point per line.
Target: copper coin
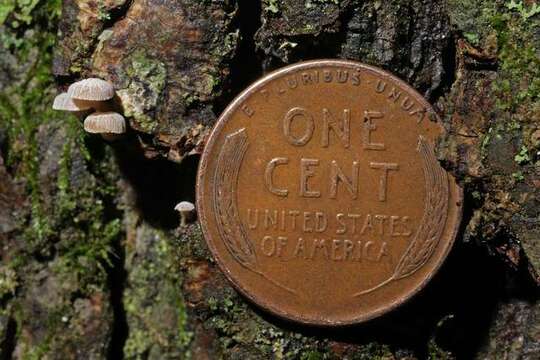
320	196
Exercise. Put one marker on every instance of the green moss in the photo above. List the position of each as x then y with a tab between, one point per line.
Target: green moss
36	350
513	24
436	353
19	10
227	46
526	11
103	12
271	6
184	335
517	87
312	355
473	18
22	104
8	281
518	176
137	343
236	327
155	309
191	244
522	157
508	30
77	227
519	83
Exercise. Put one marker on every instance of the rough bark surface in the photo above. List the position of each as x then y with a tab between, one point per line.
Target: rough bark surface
94	263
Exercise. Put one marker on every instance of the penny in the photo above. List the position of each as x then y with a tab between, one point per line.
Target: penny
320	196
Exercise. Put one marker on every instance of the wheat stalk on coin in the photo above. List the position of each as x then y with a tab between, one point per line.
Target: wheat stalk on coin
433	220
229	226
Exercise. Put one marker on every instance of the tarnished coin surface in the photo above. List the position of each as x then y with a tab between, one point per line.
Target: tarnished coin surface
320	196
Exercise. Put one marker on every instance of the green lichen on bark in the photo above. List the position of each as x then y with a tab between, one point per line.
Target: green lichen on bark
146	82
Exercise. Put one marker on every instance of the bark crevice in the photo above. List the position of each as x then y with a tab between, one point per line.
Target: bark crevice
246	66
116	281
8	344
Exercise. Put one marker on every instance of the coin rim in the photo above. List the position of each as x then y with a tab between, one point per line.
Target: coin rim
200	194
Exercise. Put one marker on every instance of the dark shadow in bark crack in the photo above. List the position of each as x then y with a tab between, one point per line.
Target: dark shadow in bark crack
8	343
327	44
114	267
324	45
116	281
448	76
245	68
159	184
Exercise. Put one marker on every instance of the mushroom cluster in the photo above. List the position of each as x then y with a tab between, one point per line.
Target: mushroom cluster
93	94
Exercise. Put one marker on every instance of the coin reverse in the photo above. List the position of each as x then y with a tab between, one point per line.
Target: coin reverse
320	196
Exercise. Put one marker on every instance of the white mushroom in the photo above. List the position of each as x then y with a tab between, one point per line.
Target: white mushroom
108	124
186	210
65	102
91	89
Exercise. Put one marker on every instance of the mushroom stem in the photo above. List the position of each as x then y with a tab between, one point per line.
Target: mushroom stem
183	219
111	137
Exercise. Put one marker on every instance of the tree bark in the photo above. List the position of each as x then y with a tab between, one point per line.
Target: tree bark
94	263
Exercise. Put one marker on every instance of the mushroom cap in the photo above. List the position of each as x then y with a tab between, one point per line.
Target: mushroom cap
184	206
105	123
64	102
91	89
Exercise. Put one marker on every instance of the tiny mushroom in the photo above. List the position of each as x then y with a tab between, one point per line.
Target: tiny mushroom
109	124
92	92
65	102
186	210
92	89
